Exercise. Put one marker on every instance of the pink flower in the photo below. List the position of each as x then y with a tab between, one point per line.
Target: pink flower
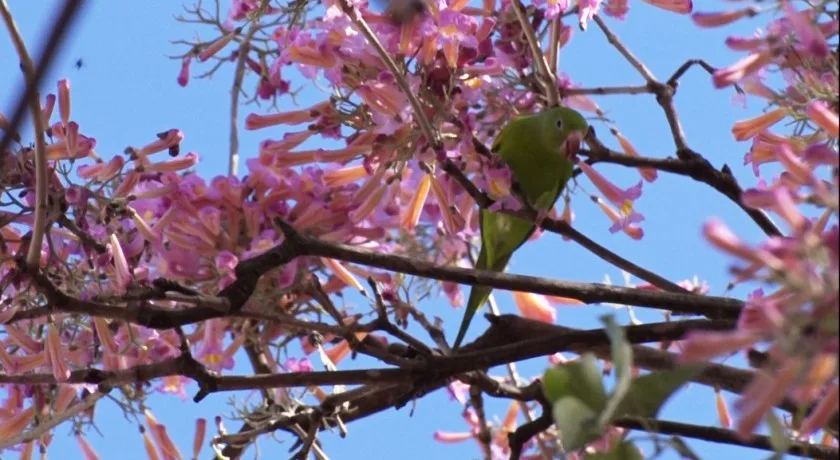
617	8
809	36
217	45
674	6
587	9
184	73
621	198
743	68
722	18
64	100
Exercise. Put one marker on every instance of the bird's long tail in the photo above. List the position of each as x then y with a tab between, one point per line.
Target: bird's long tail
478	294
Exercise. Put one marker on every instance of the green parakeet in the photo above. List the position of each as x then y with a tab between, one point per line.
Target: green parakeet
538	149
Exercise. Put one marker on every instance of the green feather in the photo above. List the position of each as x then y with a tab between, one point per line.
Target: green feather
532	146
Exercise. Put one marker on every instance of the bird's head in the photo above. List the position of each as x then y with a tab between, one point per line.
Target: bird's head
565	128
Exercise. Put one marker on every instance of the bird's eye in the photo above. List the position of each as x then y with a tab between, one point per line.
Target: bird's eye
559	124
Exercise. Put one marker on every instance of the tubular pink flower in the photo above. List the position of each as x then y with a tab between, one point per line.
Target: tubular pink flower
105	335
22	339
122	272
534	306
174	165
166	140
57	356
65	395
742	69
648	174
294	117
626	223
824	117
47	110
449	437
617	196
217	45
71	138
722	18
786	207
198	438
14	425
724	239
699	346
127	184
184	73
64	100
794	164
765	391
674	6
87	451
806	32
617	8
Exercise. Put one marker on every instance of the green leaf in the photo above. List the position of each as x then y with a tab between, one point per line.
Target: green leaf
621	351
778	438
580	379
649	392
623	451
577	423
622	358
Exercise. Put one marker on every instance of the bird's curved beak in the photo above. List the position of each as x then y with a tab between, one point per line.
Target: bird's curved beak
571	146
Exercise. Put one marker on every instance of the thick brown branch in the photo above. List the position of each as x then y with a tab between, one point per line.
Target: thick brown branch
724	436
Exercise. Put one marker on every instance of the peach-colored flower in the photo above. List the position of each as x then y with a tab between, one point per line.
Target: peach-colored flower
411	215
649	174
747	129
722	409
534	306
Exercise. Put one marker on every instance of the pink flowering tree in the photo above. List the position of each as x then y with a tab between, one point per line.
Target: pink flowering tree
131	275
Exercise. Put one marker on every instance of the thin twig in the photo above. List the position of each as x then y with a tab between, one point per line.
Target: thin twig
724	436
33	257
541	67
55	420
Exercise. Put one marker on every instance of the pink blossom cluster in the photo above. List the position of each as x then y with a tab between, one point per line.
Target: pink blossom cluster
796	322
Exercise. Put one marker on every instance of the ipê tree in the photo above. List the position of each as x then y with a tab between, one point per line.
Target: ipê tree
126	276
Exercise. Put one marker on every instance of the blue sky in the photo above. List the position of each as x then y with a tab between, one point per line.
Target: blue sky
126	92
